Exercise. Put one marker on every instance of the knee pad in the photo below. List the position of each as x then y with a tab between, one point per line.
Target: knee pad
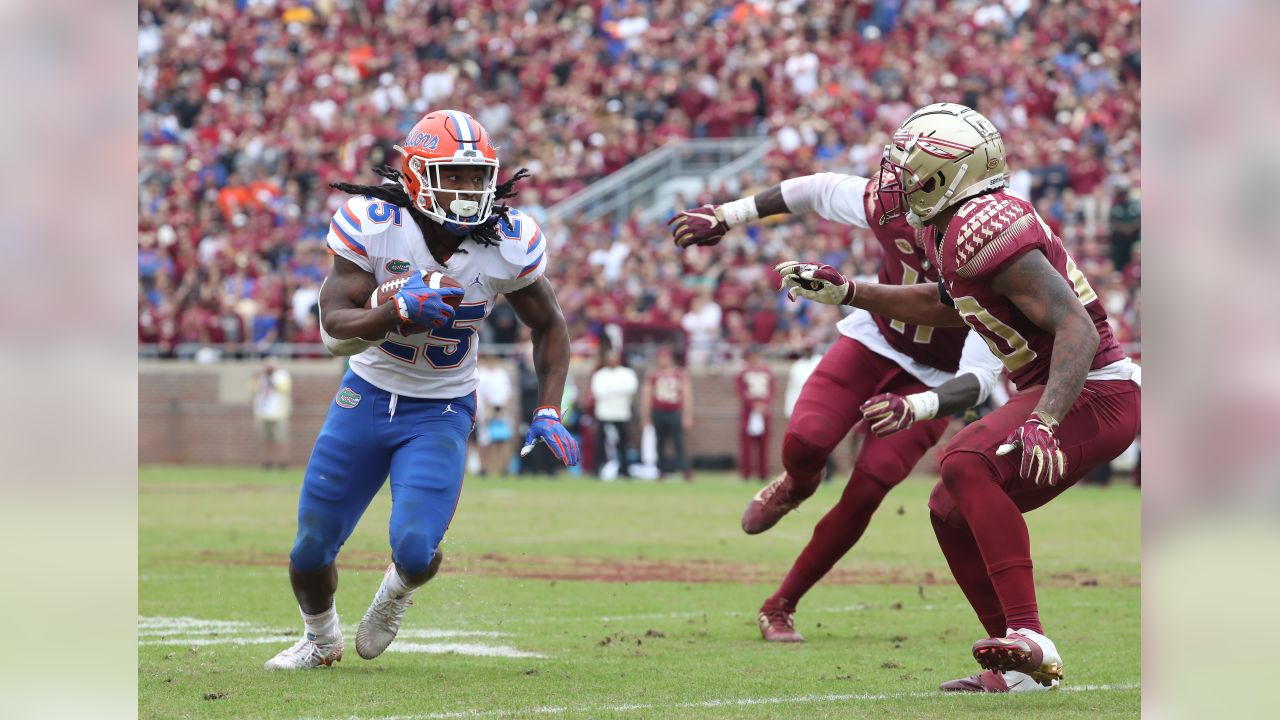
962	468
311	551
943	511
817	428
802	457
413	551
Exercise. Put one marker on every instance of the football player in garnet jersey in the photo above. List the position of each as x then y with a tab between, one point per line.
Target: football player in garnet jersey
897	375
1007	276
407	403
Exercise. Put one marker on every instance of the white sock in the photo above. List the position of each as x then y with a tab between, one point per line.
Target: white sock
322	627
394	586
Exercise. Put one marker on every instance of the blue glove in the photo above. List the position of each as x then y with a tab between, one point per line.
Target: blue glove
546	426
420	305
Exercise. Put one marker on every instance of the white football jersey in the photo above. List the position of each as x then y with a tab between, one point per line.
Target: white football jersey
382	239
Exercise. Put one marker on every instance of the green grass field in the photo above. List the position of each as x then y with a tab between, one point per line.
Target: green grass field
578	599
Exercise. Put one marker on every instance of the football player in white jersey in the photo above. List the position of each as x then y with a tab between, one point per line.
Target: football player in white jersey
407	403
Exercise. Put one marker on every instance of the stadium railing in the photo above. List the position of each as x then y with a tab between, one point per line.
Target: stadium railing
638	186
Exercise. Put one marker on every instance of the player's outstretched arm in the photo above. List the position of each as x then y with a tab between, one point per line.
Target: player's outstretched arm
833	196
536	306
1044	296
918	304
343	315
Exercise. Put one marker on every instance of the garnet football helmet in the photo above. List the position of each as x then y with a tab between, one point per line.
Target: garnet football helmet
440	139
943	154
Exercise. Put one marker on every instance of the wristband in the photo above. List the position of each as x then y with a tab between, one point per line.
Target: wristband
738	212
924	405
848	300
546	411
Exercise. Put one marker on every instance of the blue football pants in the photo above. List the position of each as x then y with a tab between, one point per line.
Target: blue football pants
367	434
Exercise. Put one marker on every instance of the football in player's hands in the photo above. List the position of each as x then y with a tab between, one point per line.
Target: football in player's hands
386	292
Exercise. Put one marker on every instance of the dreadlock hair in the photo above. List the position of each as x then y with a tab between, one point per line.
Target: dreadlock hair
485	233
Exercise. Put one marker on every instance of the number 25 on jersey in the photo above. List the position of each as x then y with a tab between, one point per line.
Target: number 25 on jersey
445	347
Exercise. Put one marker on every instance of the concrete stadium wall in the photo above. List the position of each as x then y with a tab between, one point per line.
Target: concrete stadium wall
200	414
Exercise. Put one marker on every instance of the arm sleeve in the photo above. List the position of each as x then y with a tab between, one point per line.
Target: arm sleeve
977	360
346	235
835	197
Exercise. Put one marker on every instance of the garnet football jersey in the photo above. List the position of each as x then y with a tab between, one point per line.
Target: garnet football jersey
987	234
902	263
929	354
755	384
666	389
383	240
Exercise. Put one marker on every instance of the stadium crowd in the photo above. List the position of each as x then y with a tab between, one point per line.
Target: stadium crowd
248	109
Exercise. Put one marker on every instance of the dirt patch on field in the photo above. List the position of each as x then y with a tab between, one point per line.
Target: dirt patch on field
638	570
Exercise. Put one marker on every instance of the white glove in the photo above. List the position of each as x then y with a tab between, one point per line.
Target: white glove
815	281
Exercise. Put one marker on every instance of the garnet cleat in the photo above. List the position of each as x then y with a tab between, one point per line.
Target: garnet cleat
771	503
985	681
1023	651
990	681
777	623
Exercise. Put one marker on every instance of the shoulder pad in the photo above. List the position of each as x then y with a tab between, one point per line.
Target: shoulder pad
992	229
350	227
523	242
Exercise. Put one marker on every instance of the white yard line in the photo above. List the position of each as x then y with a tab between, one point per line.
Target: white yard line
473	649
195	632
728	702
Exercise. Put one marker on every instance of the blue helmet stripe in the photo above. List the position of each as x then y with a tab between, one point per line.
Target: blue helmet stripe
464	130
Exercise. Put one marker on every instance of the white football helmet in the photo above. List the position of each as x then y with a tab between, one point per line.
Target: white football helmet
943	154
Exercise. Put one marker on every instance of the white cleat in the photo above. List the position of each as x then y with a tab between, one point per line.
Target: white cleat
989	681
1021	682
382	620
307	654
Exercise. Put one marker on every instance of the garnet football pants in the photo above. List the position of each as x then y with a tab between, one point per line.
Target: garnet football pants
829	406
978	504
367	434
753	450
846	377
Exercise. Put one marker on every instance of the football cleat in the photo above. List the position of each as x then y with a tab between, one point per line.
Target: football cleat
382	620
306	654
770	504
989	681
1022	651
776	621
